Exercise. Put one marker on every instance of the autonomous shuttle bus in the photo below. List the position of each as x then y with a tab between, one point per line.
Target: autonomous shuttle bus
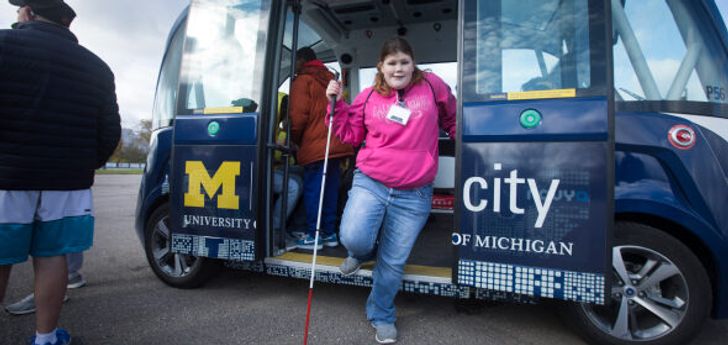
590	163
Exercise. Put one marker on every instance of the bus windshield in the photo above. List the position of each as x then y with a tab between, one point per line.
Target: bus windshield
528	46
225	41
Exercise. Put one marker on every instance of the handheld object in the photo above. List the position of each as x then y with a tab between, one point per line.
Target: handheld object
318	217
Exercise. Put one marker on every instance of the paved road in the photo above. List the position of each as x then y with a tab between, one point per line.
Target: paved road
124	303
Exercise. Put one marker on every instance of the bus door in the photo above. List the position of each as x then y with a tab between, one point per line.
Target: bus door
279	147
215	155
535	149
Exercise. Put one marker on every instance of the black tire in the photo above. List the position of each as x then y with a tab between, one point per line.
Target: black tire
180	271
663	276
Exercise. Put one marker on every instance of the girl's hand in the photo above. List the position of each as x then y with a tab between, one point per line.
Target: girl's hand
334	90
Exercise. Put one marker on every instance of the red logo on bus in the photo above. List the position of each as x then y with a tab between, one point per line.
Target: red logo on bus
681	137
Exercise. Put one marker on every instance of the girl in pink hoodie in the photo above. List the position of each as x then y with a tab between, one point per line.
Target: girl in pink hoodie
398	119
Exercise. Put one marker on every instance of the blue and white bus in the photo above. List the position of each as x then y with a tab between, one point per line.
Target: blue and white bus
590	163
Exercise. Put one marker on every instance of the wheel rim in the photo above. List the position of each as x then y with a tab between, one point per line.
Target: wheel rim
649	296
171	264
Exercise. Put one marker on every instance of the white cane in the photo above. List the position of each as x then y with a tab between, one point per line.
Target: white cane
318	218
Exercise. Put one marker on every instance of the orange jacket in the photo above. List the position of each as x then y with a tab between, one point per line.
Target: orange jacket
308	108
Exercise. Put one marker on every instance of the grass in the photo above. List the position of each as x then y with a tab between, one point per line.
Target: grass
121	171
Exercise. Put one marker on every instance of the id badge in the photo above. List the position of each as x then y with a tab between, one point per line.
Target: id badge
399	114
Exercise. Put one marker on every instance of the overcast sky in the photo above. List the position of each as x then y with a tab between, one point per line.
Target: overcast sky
130	36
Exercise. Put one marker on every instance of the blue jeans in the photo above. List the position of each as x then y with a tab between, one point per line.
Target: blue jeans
312	174
294	192
400	214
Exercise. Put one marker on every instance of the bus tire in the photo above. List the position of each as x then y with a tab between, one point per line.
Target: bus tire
665	302
176	270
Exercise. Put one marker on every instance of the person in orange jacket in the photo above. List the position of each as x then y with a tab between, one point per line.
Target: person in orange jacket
308	109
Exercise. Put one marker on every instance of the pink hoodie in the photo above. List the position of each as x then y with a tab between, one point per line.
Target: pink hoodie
402	157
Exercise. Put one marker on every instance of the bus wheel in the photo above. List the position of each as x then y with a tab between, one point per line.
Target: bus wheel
660	292
177	270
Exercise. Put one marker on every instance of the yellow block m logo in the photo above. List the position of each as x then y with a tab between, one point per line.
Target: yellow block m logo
224	176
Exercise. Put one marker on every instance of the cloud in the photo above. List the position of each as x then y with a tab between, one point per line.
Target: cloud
130	36
723	9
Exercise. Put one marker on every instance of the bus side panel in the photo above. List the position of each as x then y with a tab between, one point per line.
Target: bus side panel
151	188
654	178
695	171
533	217
213	194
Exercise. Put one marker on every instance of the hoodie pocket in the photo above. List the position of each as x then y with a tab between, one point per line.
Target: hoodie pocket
401	168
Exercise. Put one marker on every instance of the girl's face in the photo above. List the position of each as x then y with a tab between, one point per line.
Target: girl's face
397	69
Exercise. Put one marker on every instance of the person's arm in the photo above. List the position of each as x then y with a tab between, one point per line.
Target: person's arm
299	107
349	120
109	126
447	105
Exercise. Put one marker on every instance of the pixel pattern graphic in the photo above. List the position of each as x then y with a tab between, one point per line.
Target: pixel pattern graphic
537	282
218	248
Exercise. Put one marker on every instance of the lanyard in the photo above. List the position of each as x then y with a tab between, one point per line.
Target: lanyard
400	98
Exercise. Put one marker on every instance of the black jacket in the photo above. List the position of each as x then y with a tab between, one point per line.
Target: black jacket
59	119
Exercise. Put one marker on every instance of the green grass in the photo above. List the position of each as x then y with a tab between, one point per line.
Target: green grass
119	171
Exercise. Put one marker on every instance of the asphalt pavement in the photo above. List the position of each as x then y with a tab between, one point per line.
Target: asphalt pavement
124	303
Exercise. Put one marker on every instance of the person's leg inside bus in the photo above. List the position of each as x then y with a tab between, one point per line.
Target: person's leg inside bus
312	175
406	214
363	217
295	189
330	205
311	191
277	189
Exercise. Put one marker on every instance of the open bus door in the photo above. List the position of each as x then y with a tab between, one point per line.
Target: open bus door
535	149
215	154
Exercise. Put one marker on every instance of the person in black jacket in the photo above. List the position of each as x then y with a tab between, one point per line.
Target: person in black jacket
59	122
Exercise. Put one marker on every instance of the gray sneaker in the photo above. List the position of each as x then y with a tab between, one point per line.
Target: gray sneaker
25	305
349	266
386	333
75	281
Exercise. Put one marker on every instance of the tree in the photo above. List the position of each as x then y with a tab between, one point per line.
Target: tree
134	144
145	131
118	153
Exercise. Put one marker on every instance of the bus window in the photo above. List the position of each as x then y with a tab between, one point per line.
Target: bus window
332	66
528	69
667	56
527	46
307	37
225	41
166	94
